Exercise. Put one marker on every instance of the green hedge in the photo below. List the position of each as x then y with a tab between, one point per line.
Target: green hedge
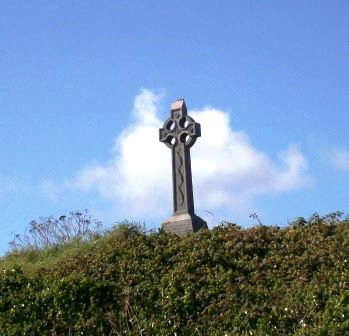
227	281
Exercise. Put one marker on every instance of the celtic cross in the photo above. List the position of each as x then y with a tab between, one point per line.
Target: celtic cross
179	133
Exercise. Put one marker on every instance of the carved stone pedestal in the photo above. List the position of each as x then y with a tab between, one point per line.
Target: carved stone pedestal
182	224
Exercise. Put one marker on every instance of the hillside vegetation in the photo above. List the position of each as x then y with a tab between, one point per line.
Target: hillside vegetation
226	281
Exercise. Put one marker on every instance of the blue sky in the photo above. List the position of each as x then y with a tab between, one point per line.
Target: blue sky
85	85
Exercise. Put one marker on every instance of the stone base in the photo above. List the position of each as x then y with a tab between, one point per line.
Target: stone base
184	223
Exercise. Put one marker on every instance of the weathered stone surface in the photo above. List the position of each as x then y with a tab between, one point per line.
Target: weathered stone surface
179	133
182	224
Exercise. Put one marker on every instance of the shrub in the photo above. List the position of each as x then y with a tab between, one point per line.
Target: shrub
227	281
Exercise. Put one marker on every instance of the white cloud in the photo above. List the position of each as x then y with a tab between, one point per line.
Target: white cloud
137	176
228	171
340	159
226	163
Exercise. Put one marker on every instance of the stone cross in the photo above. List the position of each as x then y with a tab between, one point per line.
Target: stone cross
179	133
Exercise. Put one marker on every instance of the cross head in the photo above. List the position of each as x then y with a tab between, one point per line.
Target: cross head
179	129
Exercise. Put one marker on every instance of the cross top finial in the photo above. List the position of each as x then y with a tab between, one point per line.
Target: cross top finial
178	106
179	129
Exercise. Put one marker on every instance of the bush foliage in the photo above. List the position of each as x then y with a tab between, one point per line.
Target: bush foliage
226	281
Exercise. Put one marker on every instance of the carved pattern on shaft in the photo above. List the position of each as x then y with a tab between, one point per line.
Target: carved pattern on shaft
180	175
